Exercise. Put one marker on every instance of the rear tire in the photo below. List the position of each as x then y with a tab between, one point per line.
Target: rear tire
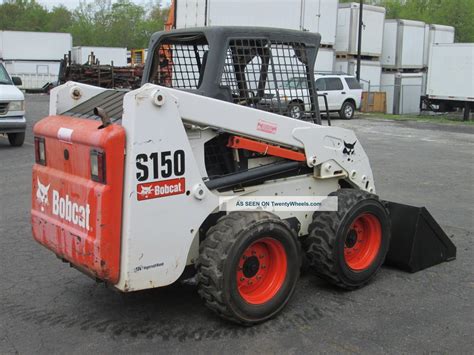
347	110
248	266
296	110
16	139
348	247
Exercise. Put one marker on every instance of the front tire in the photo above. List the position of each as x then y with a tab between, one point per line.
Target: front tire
16	139
348	247
248	266
347	110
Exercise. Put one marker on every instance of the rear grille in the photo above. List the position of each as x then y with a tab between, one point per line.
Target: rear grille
3	108
110	100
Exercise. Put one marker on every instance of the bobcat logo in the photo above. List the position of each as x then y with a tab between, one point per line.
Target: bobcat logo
349	148
146	190
42	194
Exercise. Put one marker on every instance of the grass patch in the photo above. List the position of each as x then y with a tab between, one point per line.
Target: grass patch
443	119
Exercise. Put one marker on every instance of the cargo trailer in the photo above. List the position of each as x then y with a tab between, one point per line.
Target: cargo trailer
304	15
370	71
403	44
436	34
105	55
348	29
34	56
403	91
450	82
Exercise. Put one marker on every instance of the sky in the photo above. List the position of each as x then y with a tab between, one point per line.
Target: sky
72	4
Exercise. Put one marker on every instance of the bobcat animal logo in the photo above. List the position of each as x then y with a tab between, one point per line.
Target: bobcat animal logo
42	194
349	148
146	190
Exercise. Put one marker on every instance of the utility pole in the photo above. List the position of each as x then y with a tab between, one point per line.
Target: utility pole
359	44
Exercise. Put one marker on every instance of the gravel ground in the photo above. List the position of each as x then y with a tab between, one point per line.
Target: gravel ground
47	307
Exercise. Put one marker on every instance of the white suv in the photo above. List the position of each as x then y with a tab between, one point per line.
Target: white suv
343	93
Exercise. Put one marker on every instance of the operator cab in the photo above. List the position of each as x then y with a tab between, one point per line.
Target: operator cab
250	67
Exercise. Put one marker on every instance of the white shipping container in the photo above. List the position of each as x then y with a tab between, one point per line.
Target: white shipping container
451	72
403	92
325	60
403	44
373	18
105	55
48	46
370	71
308	15
436	34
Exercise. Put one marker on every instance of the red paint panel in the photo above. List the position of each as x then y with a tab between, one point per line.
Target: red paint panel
264	148
77	218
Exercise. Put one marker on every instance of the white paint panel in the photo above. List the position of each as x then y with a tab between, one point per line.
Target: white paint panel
451	72
370	72
325	60
321	16
348	29
436	34
403	91
106	55
18	45
389	51
403	44
309	15
190	13
410	44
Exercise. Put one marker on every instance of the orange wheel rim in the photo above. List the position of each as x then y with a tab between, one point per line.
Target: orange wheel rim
362	243
261	270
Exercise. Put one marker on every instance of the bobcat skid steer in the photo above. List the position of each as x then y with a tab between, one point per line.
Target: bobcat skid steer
127	186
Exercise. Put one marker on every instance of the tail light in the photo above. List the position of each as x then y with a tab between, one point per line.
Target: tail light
98	165
40	150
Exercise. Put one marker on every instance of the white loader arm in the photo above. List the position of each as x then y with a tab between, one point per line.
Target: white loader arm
333	151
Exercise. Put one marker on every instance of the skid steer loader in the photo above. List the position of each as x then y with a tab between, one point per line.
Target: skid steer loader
127	186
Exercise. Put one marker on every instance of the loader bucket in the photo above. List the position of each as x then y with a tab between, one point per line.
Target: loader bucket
418	241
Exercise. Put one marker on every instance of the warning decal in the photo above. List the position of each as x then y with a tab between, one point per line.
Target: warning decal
163	188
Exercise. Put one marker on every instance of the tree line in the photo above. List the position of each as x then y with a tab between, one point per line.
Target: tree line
126	24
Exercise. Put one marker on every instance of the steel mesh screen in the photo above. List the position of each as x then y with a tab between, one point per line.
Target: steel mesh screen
179	65
271	76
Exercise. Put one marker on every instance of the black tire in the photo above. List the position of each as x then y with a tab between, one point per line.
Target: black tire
223	250
330	232
347	110
16	139
296	110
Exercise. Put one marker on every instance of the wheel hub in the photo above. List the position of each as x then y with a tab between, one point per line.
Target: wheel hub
261	270
363	241
251	267
351	239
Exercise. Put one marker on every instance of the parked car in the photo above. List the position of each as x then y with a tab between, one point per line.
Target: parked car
12	108
343	94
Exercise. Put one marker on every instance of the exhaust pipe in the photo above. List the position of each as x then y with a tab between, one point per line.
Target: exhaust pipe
99	111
